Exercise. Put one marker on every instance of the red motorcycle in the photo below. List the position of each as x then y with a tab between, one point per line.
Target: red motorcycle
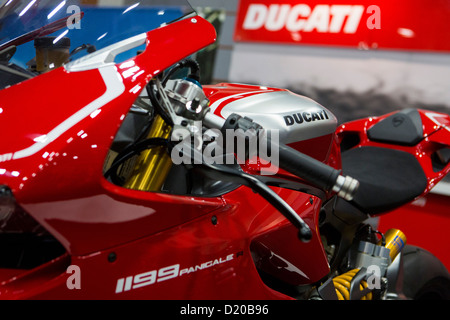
128	179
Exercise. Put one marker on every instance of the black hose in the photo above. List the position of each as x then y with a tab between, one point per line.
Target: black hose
227	174
131	151
89	47
155	103
192	64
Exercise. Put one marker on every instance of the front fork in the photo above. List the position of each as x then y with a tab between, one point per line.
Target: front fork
153	165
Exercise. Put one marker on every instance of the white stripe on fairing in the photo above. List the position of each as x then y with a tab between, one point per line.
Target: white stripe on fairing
432	116
442	188
114	88
216	104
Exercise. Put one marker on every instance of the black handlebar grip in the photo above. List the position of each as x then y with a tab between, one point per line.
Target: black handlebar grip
308	168
314	171
291	160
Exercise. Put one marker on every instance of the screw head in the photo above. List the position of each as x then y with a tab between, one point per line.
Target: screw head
112	257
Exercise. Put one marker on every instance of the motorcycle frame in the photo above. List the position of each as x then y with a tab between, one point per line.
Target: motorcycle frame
132	244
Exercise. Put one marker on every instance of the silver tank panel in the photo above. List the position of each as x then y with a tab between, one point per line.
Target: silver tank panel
296	117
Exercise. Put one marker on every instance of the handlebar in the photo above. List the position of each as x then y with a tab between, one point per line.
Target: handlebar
293	161
316	172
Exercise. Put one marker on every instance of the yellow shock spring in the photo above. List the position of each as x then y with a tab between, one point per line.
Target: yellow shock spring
342	285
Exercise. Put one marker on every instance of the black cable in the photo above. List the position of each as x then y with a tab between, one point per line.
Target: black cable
228	174
155	103
195	75
383	238
131	151
192	64
140	146
89	47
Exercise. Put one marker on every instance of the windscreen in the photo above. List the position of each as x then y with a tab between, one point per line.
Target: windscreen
79	27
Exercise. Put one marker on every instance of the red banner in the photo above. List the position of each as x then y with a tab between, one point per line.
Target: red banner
377	24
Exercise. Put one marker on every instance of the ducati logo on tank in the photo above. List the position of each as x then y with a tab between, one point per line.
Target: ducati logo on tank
301	117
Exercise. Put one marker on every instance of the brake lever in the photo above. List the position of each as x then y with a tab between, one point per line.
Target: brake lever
228	174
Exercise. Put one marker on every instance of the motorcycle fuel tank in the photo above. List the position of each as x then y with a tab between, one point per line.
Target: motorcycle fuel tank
300	121
296	117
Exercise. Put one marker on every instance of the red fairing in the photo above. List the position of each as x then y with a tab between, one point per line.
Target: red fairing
213	261
55	174
54	156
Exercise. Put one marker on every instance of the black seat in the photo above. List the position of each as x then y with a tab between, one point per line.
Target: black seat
388	178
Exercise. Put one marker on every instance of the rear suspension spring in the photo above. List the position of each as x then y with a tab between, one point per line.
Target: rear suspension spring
342	285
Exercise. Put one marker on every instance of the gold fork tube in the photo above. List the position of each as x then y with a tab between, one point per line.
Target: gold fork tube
153	165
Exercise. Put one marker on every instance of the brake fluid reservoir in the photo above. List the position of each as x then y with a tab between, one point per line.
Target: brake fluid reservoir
51	52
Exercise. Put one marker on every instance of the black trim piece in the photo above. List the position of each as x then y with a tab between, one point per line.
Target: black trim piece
404	128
